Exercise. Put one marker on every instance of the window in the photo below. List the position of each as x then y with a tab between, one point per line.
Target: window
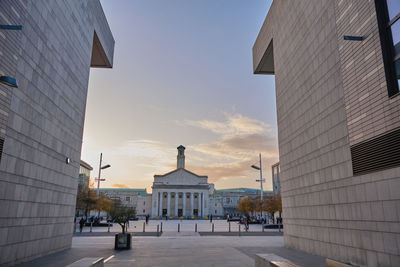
228	200
144	211
144	202
128	199
388	13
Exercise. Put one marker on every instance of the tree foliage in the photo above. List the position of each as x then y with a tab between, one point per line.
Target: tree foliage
121	215
246	205
86	200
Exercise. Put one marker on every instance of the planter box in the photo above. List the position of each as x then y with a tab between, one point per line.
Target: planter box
123	241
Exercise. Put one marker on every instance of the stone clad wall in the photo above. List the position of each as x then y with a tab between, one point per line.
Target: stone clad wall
324	85
45	122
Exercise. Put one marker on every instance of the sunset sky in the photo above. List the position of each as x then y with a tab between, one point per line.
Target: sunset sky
182	75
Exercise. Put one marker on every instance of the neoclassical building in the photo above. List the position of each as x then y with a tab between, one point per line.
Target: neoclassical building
180	192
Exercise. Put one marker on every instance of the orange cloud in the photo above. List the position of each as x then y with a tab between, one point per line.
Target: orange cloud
120	186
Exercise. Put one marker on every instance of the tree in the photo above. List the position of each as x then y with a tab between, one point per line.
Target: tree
104	203
246	205
121	215
271	206
86	201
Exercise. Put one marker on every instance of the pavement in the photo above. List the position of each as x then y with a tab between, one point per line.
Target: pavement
186	248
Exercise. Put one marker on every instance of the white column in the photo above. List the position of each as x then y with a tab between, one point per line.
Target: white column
184	203
155	209
176	203
205	210
191	203
161	200
199	204
169	204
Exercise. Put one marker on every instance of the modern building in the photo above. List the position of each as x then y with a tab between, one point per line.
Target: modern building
276	182
225	201
41	121
336	67
84	175
180	193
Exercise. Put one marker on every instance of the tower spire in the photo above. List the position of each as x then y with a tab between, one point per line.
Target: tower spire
181	157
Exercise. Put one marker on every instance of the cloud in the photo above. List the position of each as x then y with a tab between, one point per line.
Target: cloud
240	147
120	186
235	124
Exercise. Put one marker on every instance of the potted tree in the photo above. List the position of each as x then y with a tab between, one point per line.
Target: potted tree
121	215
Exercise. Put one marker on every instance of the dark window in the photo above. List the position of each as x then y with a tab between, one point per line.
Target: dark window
1	147
388	14
377	154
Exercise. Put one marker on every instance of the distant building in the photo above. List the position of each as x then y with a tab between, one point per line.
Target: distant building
180	192
84	175
143	206
276	183
225	201
126	196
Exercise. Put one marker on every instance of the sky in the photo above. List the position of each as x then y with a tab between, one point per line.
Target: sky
182	75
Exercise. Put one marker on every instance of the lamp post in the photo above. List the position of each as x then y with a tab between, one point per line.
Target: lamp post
7	80
99	178
261	184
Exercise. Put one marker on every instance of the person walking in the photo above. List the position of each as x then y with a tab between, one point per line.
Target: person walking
81	224
147	218
211	218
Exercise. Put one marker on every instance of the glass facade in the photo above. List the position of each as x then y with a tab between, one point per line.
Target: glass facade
392	25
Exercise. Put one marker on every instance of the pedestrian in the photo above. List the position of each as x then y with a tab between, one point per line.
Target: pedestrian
211	218
147	218
81	224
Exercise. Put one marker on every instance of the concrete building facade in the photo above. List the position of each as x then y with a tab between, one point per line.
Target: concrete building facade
338	123
41	121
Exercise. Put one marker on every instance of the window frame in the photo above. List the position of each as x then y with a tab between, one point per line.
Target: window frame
389	57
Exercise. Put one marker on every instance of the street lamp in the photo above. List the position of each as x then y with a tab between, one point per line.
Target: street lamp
261	184
99	178
7	80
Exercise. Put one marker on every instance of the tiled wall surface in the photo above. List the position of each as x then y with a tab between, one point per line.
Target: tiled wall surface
50	58
370	112
323	85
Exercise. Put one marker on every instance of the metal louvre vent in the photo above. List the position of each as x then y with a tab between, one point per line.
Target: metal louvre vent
1	147
377	154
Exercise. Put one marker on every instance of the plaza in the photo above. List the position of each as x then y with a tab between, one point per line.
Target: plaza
186	248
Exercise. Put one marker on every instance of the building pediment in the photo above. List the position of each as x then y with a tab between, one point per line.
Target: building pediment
180	177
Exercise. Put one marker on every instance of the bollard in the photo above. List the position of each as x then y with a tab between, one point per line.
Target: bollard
158	230
239	229
144	227
213	227
179	227
279	227
161	228
229	227
195	228
108	226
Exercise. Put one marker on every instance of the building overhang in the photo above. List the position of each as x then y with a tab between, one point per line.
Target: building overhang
263	52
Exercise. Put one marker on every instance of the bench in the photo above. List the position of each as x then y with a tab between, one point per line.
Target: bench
272	260
88	262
